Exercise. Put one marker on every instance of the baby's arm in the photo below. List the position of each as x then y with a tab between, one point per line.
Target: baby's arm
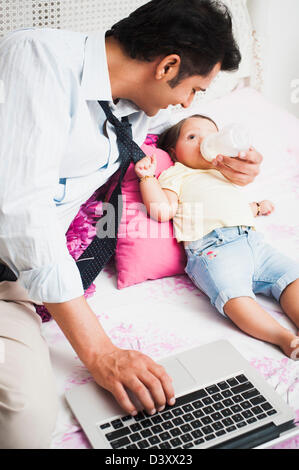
262	208
161	204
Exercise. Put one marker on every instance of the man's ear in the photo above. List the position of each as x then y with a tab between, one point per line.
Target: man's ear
168	67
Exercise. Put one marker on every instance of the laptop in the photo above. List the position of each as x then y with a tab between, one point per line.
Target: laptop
221	402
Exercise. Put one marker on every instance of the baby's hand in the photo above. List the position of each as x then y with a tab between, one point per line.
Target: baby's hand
146	166
266	207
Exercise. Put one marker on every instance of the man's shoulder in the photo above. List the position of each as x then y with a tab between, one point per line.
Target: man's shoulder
58	41
41	34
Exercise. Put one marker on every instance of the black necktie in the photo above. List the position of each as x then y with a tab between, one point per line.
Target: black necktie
99	252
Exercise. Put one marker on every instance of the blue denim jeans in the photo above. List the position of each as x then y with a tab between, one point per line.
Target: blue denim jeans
234	262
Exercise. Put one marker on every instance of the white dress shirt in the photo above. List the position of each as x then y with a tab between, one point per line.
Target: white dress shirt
53	153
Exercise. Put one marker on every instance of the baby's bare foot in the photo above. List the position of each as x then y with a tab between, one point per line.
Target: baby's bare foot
290	347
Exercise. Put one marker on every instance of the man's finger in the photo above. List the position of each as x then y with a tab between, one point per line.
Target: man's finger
251	156
142	393
165	380
236	177
238	165
123	399
154	385
254	157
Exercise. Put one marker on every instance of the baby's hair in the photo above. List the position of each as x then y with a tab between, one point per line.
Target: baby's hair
168	138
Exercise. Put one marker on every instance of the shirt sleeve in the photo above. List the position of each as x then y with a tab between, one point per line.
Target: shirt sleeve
34	126
170	179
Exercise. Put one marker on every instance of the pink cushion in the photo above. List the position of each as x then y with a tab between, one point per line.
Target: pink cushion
146	249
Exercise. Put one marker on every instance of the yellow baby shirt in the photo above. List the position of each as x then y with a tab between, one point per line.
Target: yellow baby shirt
207	200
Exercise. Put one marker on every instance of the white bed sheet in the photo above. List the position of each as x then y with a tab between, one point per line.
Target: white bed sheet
168	315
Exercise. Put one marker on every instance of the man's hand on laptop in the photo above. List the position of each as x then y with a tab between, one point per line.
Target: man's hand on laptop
112	368
119	368
241	170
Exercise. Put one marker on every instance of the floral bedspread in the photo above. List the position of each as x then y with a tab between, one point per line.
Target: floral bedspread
169	315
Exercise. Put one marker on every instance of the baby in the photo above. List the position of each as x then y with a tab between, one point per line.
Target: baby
227	258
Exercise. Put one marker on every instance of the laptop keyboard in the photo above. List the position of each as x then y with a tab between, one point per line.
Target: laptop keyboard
195	418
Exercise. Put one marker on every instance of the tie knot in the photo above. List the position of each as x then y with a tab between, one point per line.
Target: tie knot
127	147
123	124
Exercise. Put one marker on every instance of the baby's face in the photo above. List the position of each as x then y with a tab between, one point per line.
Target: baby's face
187	149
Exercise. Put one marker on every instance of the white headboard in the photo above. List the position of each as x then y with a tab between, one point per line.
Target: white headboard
76	15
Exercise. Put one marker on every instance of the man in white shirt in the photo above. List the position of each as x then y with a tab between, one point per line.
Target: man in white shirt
54	154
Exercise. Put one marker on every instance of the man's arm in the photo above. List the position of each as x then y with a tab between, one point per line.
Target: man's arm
34	125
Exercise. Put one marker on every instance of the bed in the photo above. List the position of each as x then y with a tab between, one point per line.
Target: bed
164	316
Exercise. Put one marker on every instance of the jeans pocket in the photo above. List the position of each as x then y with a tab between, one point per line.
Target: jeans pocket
203	245
191	266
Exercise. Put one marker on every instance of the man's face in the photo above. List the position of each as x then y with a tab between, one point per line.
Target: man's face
159	94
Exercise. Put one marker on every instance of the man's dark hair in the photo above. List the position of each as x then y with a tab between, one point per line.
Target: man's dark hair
168	139
199	31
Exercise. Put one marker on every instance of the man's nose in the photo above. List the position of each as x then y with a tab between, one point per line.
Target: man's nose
188	101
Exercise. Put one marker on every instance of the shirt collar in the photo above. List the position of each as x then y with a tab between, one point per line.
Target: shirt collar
95	77
124	108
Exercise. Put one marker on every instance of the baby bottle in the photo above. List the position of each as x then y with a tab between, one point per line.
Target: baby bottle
229	141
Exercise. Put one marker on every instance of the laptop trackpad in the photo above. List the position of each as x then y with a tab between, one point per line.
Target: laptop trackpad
182	378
